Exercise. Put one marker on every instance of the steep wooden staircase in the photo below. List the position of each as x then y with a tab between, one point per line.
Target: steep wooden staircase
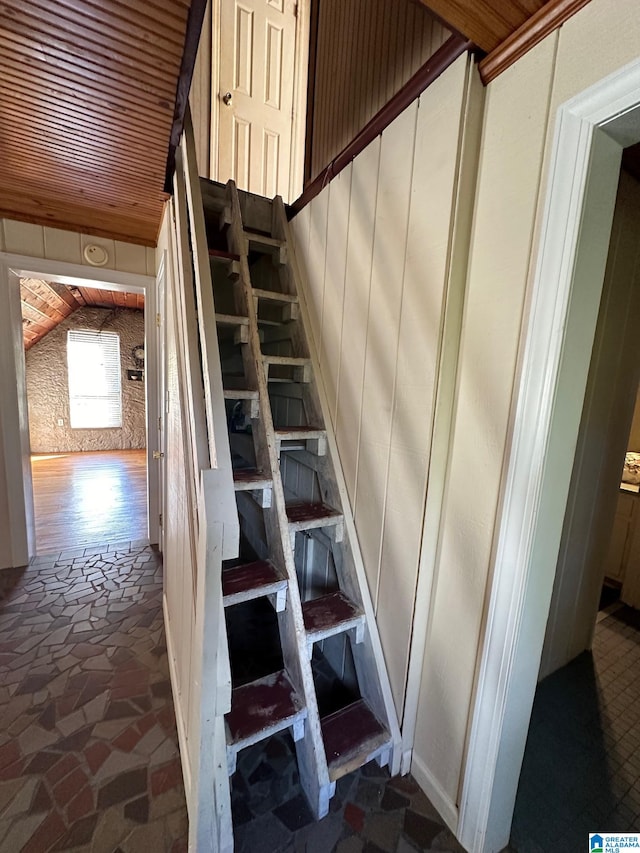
299	550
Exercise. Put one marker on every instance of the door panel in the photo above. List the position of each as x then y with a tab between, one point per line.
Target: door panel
256	70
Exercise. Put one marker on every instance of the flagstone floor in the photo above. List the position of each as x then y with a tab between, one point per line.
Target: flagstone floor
89	759
88	747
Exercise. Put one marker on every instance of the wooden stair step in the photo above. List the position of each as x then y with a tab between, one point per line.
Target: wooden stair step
261	709
240	394
257	239
250	398
310	516
239	324
285	360
352	737
332	614
253	580
246	479
259	485
274	296
223	257
231	320
309	438
301	367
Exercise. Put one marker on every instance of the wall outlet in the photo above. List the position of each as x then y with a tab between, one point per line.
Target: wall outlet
60	422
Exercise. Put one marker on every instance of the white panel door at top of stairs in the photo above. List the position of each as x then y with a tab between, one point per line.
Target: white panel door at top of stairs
257	54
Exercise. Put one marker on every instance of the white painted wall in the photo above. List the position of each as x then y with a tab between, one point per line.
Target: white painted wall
54	244
357	281
375	252
516	158
63	249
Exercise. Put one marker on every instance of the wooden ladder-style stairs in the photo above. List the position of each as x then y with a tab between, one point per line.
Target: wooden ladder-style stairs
301	550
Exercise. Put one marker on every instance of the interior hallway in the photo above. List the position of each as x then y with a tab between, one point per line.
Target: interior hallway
89	498
581	770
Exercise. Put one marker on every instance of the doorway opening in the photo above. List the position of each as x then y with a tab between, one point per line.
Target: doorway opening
85	383
591	131
580	770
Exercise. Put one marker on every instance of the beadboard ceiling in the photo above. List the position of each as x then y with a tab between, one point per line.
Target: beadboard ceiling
45	304
87	99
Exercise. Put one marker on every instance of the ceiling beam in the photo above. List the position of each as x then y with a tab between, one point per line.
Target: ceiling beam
487	23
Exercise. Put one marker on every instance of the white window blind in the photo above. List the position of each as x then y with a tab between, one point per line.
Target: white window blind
95	398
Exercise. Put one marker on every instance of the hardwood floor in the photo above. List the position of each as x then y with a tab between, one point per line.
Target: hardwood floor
89	498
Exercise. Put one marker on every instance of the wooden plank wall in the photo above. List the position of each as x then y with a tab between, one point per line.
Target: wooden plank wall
519	124
200	97
373	247
366	51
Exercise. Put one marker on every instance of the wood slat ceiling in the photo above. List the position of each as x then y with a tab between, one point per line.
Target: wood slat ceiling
87	97
504	29
486	22
45	304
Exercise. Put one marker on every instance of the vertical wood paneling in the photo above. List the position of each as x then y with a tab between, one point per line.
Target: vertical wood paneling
318	218
388	219
500	253
419	343
366	52
394	186
200	98
357	283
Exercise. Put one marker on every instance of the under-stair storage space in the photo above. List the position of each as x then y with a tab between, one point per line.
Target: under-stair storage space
304	650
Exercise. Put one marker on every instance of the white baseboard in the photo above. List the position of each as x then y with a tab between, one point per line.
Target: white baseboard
180	722
439	798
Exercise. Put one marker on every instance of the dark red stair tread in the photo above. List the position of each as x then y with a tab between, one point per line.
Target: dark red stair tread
248	475
223	256
248	577
267	703
298	513
351	736
328	611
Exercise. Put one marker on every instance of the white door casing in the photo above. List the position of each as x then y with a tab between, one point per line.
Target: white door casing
256	94
610	396
590	132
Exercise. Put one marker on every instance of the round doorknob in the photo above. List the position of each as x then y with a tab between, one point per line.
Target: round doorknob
227	99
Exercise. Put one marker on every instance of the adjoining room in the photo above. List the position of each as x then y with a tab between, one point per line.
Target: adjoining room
84	359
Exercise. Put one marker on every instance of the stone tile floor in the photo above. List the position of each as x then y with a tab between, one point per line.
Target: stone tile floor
370	812
88	746
581	770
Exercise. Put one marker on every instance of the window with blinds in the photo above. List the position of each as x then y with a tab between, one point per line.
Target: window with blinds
95	398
